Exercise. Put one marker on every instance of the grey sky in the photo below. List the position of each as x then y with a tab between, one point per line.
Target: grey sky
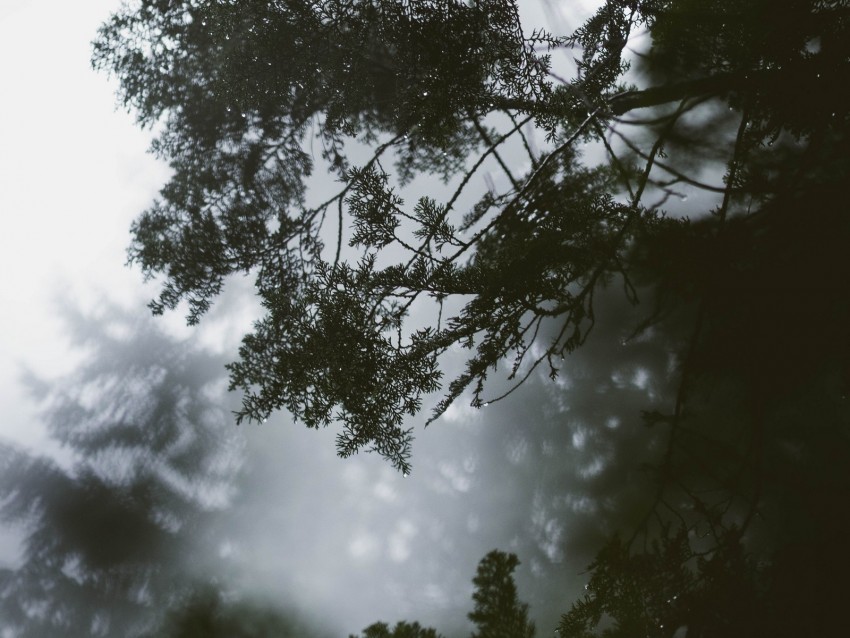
349	541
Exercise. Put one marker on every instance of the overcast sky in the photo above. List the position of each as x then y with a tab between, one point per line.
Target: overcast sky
73	172
366	543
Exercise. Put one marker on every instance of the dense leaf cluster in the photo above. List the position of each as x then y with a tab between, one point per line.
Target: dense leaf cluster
244	95
739	106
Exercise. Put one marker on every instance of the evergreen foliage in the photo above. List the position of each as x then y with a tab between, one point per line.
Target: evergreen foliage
498	612
402	629
241	91
116	533
206	613
740	106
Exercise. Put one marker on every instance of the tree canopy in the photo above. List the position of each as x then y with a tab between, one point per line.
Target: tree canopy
250	99
737	107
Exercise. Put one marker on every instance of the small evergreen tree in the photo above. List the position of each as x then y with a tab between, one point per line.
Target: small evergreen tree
401	630
498	613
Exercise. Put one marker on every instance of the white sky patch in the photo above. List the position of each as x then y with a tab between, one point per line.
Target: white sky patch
435	594
516	449
456	477
223	331
579	438
582	504
548	531
594	468
384	491
399	542
386	485
74	172
640	378
12	539
354	474
227	549
363	546
460	412
8	7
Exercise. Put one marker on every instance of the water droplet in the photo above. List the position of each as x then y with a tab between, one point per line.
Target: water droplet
424	93
683	198
486	403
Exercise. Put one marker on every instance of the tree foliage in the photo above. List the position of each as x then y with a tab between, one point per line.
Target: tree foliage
740	107
498	612
116	533
402	629
206	613
245	94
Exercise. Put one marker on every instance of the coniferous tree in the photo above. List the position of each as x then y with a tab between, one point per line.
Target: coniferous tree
205	613
116	534
443	87
739	107
402	629
498	613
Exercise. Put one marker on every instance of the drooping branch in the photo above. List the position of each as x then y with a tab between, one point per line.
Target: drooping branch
717	85
721	84
622	103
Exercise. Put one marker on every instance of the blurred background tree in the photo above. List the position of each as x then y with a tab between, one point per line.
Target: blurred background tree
117	529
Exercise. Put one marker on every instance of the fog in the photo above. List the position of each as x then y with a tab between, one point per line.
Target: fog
270	511
125	482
